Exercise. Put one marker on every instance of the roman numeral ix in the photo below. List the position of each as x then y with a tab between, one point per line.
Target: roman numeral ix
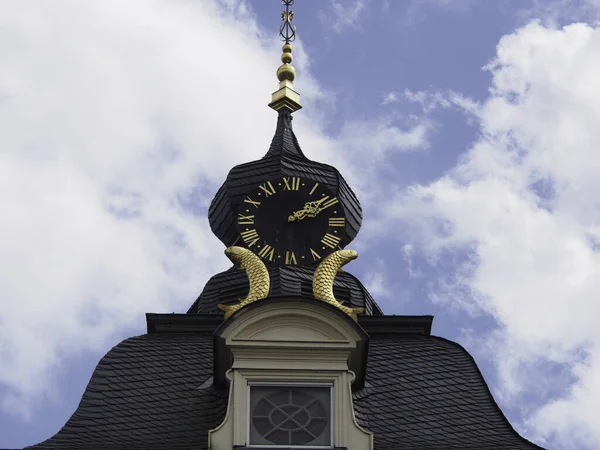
245	220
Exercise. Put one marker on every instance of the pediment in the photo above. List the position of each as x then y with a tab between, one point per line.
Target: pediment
294	327
290	325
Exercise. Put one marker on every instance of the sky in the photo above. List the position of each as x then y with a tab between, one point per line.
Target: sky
468	129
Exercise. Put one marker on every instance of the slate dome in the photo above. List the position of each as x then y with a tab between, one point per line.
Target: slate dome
284	158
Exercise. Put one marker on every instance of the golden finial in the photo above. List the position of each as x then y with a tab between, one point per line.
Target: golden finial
286	96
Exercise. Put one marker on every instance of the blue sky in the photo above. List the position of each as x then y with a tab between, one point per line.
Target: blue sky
467	128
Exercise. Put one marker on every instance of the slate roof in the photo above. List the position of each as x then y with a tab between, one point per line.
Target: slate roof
425	392
149	392
155	392
284	158
229	286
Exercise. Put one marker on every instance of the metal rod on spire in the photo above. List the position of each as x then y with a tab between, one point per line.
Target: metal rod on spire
286	98
287	31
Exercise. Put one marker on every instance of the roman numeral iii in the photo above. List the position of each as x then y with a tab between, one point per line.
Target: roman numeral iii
337	222
330	240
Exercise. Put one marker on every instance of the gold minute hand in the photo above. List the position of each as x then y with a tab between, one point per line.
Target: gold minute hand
319	205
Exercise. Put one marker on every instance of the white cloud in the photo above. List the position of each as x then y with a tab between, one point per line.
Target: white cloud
112	115
109	114
554	12
379	137
343	15
407	254
432	101
375	281
361	149
390	97
522	208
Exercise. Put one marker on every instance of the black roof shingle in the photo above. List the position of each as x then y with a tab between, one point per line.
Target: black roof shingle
425	392
155	392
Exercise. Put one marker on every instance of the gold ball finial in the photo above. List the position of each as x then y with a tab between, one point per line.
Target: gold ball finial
287	53
286	98
286	71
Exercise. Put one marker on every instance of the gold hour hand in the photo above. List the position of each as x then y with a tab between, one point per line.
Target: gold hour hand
297	216
311	209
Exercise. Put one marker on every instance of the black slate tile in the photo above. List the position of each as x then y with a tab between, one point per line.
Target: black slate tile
154	392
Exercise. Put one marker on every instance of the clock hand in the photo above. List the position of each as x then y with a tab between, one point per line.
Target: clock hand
297	216
320	207
311	209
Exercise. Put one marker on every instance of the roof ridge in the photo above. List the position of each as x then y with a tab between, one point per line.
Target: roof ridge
284	141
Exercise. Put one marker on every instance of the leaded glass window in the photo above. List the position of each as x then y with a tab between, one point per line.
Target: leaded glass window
290	415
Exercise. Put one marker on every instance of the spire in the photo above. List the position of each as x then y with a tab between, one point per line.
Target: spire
284	141
286	97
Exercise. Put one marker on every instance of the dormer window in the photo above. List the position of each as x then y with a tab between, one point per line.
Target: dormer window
290	416
290	365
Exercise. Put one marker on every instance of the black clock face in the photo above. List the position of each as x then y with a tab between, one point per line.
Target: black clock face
291	220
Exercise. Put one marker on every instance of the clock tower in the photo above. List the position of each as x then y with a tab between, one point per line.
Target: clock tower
290	211
285	207
284	350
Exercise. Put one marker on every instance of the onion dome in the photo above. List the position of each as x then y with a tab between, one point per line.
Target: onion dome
283	159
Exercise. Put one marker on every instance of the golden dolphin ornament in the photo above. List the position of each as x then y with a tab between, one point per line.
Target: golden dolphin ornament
324	276
258	276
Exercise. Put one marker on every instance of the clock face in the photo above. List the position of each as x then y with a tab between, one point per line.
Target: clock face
291	220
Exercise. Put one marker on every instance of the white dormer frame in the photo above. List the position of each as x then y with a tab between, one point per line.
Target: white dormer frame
296	342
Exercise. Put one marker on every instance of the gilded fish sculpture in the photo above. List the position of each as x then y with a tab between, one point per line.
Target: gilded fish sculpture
324	276
257	273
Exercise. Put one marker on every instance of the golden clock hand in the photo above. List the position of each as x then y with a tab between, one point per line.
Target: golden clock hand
297	216
320	208
311	209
